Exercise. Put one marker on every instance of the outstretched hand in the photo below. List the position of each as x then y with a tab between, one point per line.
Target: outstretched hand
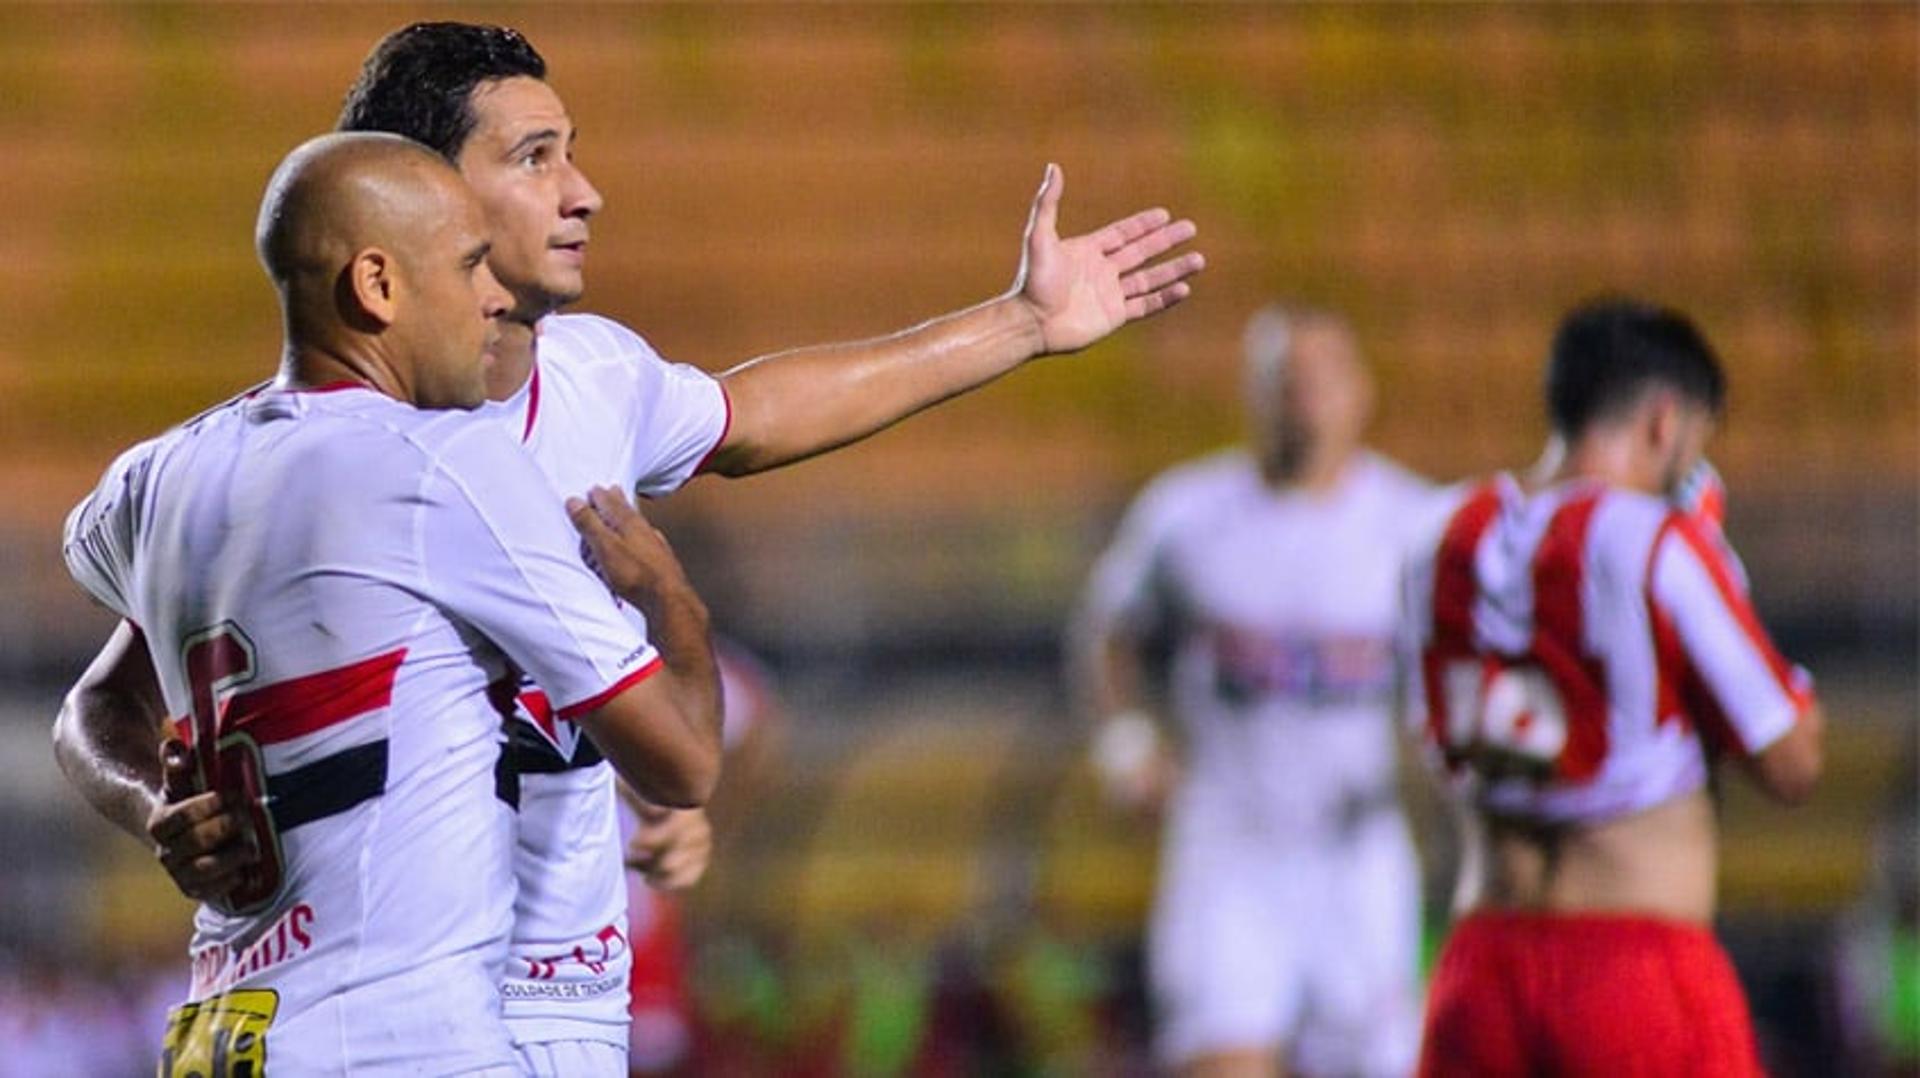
1082	288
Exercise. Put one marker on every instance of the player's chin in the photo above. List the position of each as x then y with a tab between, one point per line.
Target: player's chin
564	285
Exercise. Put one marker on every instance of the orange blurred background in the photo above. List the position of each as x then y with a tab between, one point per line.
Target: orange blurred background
1453	177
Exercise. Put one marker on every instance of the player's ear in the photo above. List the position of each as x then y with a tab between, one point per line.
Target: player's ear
369	287
1661	422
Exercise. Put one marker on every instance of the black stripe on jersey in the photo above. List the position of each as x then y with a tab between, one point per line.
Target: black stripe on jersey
532	754
328	786
506	781
527	753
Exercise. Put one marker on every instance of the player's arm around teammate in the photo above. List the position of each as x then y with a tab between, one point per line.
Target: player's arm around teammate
635	560
109	739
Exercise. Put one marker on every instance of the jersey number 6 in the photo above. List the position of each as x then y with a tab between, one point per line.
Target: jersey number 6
218	661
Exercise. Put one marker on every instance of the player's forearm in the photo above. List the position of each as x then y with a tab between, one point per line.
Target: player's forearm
1789	770
793	405
108	733
111	754
678	623
663	735
1108	672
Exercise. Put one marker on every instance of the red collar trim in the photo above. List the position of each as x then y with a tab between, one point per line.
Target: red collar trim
533	400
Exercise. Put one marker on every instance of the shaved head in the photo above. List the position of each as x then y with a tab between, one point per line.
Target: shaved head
338	193
379	251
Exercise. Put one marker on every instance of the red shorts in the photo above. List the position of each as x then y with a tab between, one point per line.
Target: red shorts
1585	994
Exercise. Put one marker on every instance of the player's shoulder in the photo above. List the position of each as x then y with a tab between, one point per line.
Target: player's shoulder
1632	520
120	488
581	339
1403	501
1194	490
133	468
1390	479
1224	473
368	437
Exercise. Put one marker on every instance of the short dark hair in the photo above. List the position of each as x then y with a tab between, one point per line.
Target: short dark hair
419	80
1609	352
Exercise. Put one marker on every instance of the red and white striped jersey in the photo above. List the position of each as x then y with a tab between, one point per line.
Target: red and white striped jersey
339	591
1584	651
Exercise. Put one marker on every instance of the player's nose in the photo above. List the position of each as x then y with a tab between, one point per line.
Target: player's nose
495	301
578	196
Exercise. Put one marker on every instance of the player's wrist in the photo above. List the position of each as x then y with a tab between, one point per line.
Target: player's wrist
1125	743
1022	318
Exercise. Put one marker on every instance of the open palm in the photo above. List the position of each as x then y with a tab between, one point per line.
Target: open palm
1083	288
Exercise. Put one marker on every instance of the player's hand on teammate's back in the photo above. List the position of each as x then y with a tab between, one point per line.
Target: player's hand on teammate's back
201	842
1082	288
630	554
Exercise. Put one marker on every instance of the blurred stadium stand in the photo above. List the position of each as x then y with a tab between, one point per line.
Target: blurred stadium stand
1452	176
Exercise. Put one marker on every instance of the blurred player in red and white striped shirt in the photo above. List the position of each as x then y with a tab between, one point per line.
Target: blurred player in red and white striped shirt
1586	654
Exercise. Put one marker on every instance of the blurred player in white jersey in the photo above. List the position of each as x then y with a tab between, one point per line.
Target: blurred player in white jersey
1285	930
1587	653
335	575
594	404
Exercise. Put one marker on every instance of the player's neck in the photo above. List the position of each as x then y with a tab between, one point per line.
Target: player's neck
512	362
1317	473
310	366
1605	456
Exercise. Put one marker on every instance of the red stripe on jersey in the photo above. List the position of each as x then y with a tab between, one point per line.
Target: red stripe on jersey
1715	560
1670	669
312	703
1454	587
1681	684
726	428
533	400
540	710
598	700
1559	637
1454	581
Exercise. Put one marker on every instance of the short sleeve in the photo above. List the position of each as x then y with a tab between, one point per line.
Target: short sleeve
1126	587
683	416
1696	586
676	414
99	535
499	554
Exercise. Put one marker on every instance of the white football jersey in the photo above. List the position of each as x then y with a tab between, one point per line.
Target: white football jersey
1282	609
1581	651
601	408
339	592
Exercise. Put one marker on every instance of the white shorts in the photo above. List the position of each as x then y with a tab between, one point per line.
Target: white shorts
1307	943
574	1059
